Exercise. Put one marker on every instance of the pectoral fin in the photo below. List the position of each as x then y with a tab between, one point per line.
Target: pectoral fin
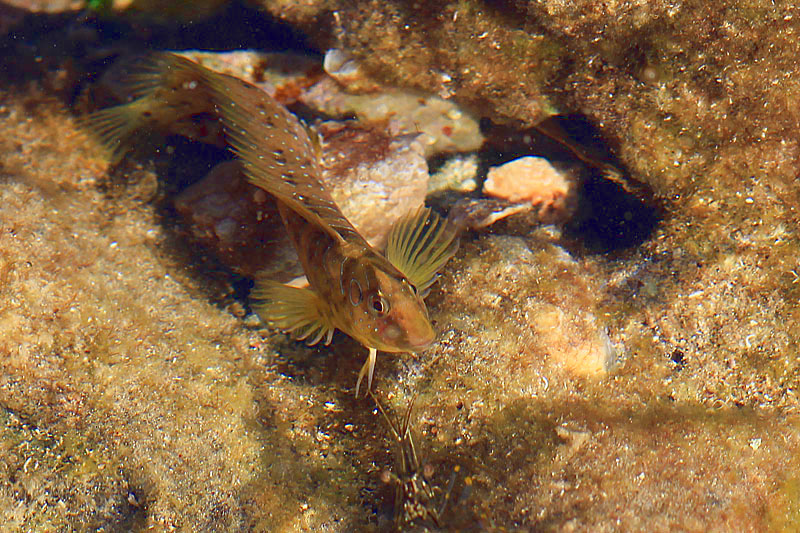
419	244
292	310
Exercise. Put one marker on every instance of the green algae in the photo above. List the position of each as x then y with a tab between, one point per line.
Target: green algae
785	515
101	6
55	481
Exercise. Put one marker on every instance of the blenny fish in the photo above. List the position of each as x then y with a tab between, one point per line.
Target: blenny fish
375	298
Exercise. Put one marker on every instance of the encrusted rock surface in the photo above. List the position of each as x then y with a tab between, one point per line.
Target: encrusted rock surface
135	396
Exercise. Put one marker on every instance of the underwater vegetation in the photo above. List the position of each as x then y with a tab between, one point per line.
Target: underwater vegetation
623	361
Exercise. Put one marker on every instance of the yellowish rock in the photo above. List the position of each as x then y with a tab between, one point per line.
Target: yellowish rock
572	341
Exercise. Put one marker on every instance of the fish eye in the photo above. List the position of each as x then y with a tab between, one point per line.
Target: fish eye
378	305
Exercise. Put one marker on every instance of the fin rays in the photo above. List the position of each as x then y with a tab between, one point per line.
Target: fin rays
292	310
419	245
367	370
113	127
290	169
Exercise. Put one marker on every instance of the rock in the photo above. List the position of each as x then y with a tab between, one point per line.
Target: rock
534	301
46	6
374	178
529	179
293	78
479	213
282	75
239	222
572	339
346	70
458	173
446	126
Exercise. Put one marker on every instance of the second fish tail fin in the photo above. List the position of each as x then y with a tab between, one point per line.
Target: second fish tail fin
160	86
114	126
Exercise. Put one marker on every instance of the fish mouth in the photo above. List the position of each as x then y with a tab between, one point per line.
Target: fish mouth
420	345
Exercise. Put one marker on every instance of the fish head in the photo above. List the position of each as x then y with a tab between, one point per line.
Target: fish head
388	314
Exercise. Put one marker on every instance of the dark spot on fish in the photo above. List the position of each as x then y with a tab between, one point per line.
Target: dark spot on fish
147	114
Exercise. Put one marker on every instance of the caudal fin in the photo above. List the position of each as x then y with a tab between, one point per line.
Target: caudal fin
163	88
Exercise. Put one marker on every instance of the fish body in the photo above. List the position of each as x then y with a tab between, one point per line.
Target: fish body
365	295
374	298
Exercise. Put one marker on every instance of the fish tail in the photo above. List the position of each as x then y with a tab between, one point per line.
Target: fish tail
158	72
148	74
162	86
114	127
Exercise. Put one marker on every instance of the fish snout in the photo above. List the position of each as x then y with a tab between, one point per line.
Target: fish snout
420	337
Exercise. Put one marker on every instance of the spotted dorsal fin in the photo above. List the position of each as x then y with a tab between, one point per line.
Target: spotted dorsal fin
277	153
419	245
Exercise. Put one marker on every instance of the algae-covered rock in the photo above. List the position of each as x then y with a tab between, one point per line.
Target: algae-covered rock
650	387
680	102
442	125
470	51
117	415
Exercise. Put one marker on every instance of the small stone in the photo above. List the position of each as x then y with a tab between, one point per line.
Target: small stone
223	212
573	340
340	66
529	179
457	174
479	213
374	178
